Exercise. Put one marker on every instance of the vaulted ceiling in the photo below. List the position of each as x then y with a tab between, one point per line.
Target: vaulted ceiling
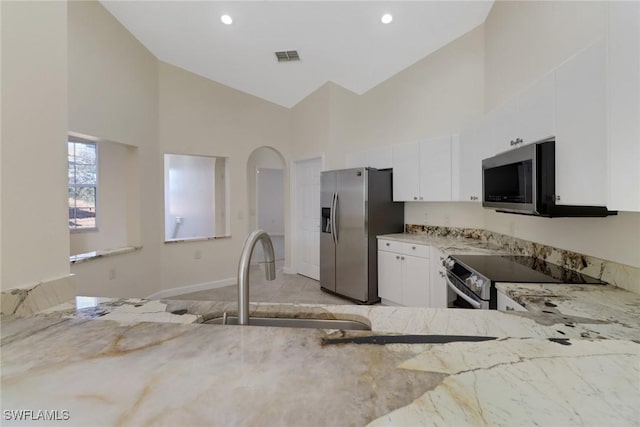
340	41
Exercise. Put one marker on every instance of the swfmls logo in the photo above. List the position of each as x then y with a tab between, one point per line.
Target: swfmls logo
36	415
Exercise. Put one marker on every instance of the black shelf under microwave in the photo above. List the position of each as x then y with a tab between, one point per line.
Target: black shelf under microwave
523	181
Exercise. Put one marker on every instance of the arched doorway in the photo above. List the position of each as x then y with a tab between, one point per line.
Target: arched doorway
266	198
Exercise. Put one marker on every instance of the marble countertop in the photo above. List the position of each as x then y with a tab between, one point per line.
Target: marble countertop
451	245
136	362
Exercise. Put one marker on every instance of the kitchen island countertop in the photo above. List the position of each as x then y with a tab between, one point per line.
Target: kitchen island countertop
138	362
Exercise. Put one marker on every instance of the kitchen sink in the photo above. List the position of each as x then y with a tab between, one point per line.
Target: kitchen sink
289	322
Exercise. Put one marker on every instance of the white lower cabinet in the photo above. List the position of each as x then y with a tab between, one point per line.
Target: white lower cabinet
507	304
389	277
403	273
439	292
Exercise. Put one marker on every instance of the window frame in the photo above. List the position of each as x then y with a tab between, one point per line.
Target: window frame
86	141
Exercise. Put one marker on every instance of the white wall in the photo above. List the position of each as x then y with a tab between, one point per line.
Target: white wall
526	39
438	95
199	116
270	200
34	223
189	187
113	95
117	215
262	157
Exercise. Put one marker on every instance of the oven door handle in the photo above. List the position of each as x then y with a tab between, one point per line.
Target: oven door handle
467	298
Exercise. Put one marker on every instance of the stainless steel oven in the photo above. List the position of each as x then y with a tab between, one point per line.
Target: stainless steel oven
473	277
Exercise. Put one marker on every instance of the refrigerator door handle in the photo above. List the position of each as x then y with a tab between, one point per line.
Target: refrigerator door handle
334	207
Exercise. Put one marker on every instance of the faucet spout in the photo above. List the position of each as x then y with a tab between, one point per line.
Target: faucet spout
243	270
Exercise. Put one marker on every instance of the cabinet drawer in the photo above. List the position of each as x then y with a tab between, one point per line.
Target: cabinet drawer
413	249
389	246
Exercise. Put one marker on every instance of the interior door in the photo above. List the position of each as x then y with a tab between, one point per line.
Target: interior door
351	247
308	217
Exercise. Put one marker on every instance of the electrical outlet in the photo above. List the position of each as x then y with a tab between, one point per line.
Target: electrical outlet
112	274
198	254
512	228
447	220
426	220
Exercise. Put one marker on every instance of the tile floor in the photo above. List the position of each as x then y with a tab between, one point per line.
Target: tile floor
288	288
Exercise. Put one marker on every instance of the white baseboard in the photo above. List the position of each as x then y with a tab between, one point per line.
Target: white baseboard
193	288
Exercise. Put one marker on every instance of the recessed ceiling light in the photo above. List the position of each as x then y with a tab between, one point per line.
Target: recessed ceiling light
386	18
226	19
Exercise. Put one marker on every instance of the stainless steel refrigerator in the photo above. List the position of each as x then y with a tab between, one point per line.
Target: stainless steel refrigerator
356	206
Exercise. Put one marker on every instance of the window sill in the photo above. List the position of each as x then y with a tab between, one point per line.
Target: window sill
196	239
88	256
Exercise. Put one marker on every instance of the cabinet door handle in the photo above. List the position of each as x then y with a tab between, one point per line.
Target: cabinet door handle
402	258
510	308
388	244
420	198
413	247
415	198
397	257
441	273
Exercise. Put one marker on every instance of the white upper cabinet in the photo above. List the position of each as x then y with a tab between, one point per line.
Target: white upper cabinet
529	117
422	171
503	124
624	106
406	172
476	143
536	111
581	128
435	169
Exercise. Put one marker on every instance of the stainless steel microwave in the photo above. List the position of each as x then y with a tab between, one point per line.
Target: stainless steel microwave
522	181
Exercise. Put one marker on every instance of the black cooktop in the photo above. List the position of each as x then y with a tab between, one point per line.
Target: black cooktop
523	269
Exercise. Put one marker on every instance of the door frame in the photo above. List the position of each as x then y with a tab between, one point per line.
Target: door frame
293	212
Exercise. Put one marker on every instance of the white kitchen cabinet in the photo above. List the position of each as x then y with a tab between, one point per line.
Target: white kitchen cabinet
536	111
503	125
581	128
422	171
527	118
624	106
406	172
435	169
439	292
403	273
475	144
505	303
415	281
389	277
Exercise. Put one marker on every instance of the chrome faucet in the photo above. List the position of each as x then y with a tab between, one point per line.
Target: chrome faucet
243	270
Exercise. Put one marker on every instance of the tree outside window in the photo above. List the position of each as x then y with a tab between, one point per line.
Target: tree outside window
83	184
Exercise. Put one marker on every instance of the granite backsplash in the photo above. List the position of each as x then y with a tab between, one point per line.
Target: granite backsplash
623	276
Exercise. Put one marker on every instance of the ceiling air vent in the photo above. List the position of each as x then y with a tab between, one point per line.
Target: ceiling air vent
287	55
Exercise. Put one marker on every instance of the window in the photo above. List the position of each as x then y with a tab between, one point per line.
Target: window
196	197
83	184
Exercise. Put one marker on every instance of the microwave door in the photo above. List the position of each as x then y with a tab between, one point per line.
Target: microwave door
509	181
